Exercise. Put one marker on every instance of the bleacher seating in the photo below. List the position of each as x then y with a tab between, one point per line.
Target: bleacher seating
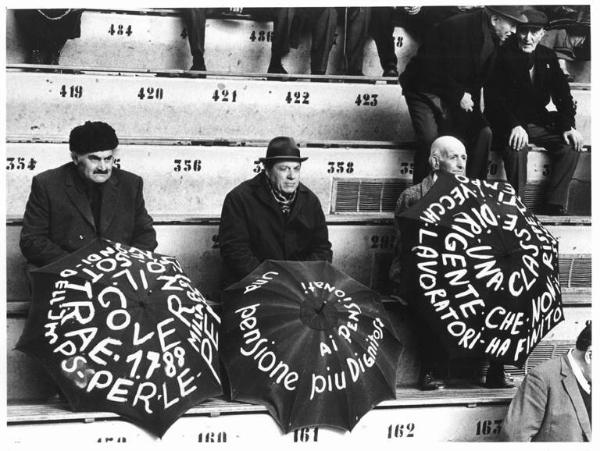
193	140
157	40
180	179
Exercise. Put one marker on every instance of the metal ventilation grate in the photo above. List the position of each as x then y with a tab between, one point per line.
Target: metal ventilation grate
367	195
545	351
542	352
534	196
575	271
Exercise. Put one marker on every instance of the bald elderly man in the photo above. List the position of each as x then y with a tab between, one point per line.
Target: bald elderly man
448	155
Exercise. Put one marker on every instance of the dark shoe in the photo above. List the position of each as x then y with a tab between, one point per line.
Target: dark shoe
276	69
498	378
36	57
391	72
198	65
356	73
554	210
428	382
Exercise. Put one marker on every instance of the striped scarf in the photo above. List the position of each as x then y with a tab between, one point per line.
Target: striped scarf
284	200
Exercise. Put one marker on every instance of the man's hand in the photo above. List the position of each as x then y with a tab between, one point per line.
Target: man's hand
412	10
466	103
574	138
518	138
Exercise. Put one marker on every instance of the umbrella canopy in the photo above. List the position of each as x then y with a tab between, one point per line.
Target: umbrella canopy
481	269
310	343
123	330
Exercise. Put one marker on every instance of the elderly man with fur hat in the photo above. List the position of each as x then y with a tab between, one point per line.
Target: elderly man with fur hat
88	197
272	216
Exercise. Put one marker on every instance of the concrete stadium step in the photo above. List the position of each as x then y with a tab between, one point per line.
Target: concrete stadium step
192	180
467	414
48	105
362	250
158	40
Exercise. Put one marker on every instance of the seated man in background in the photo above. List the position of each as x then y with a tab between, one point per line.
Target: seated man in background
272	216
526	78
71	205
554	401
447	155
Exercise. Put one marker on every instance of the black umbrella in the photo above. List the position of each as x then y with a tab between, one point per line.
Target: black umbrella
481	269
312	344
123	330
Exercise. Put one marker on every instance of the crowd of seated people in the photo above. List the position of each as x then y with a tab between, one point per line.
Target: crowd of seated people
464	51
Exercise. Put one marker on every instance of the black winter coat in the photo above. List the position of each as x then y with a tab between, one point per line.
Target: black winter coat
456	57
58	217
254	229
513	99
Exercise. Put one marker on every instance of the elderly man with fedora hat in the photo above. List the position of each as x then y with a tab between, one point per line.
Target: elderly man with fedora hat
442	83
272	216
88	197
527	77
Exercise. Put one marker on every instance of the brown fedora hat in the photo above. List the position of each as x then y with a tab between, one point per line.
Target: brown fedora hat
283	148
514	13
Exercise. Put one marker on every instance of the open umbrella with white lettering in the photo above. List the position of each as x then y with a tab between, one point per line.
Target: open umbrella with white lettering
481	269
310	343
123	330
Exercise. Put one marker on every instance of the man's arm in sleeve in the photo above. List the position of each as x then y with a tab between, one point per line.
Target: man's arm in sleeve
234	238
35	241
561	97
321	247
144	235
526	411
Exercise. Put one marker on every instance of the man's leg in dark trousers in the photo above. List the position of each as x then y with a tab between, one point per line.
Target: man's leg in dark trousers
431	350
515	166
356	23
478	154
322	22
382	31
424	117
564	162
195	24
280	44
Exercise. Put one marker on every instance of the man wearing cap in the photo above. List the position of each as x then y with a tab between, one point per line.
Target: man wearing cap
526	78
442	83
88	197
554	401
272	216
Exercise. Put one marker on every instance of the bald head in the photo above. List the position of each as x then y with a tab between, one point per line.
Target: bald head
449	155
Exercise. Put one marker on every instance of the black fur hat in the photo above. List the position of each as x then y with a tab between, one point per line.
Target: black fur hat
92	137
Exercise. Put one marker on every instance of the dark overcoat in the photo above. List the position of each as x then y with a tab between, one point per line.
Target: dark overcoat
456	57
514	99
59	220
254	229
548	407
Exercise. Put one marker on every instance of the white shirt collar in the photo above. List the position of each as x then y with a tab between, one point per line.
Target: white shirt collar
578	373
